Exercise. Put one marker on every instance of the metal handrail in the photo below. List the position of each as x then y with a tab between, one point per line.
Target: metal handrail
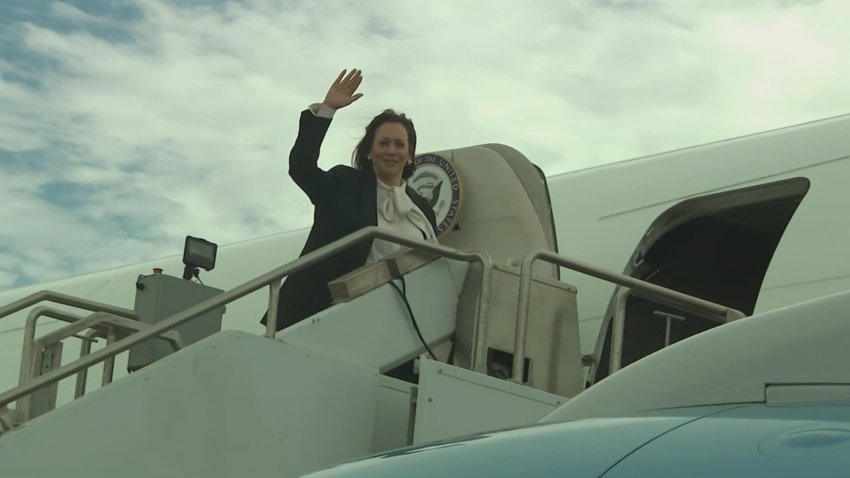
661	294
35	314
85	349
64	299
109	322
106	323
270	279
618	330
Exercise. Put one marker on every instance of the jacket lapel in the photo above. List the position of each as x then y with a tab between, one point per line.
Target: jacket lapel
423	206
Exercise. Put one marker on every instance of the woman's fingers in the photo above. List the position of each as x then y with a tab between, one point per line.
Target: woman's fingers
339	78
352	80
357	81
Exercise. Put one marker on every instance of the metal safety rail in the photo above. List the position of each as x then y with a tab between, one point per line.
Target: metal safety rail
39	355
100	324
64	299
664	295
272	281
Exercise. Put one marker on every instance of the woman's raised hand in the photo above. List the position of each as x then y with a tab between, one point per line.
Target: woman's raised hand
341	93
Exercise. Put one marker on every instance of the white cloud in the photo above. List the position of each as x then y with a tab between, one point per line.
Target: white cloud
179	120
66	11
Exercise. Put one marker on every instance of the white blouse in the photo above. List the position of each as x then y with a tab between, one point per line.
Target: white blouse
398	214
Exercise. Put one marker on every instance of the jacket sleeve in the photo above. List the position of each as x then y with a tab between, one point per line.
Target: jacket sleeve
304	157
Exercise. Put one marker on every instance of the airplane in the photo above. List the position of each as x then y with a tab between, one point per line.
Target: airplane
710	243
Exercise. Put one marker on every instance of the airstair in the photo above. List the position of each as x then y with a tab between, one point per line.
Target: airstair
314	394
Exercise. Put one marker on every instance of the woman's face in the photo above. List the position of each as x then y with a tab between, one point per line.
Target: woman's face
390	152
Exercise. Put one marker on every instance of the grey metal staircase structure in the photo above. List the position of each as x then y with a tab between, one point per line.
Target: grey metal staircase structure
39	374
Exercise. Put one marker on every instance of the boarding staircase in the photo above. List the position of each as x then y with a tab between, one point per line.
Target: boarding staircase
316	393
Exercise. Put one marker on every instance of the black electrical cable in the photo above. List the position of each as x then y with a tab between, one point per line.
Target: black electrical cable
403	294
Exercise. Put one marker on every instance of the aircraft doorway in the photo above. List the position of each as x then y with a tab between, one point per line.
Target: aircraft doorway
715	247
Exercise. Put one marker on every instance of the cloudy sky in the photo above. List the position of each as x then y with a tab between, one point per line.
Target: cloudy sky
127	124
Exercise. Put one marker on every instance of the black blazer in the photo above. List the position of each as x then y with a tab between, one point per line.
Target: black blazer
345	200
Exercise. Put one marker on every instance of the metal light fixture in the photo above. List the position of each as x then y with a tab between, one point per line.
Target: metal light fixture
198	253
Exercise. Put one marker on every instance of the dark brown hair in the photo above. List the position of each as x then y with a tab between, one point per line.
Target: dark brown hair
360	156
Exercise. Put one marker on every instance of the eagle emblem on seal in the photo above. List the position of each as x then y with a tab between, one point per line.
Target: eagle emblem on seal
436	180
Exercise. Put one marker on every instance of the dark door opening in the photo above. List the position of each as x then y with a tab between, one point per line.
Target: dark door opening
715	247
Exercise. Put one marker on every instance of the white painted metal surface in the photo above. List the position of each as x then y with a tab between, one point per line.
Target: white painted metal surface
393	414
229	401
454	402
375	330
496	205
554	357
789	394
733	363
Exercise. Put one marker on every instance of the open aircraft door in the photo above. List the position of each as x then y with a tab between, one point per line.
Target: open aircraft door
716	247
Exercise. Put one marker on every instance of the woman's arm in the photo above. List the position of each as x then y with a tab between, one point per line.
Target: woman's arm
304	157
